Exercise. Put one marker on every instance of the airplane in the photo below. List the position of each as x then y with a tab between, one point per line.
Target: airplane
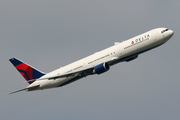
96	63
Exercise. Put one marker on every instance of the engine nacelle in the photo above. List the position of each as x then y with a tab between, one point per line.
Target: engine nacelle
101	68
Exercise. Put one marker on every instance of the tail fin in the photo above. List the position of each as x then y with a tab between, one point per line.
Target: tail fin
27	71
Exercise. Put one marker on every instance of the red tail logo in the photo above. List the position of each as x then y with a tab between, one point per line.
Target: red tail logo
28	72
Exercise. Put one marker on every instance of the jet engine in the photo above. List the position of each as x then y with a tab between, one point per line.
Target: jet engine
101	68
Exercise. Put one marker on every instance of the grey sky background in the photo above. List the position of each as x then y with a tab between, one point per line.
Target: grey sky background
48	34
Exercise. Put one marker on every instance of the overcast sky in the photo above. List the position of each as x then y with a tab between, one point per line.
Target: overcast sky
48	34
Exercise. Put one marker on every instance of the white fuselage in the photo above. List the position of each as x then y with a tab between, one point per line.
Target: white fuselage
124	51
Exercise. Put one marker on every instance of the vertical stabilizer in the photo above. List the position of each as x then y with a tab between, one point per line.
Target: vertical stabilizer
27	71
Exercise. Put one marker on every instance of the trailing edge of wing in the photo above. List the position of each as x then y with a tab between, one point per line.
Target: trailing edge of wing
87	71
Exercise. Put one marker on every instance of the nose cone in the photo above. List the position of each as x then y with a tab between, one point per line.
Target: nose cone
168	34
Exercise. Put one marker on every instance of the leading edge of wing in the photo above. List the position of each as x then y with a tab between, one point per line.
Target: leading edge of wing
86	71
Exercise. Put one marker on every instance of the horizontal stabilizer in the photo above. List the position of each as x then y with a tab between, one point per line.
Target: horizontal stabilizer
27	89
17	91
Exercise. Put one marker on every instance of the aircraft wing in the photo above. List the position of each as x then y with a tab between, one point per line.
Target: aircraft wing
82	72
85	71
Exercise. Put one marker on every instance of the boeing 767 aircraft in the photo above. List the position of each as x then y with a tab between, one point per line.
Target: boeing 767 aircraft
96	63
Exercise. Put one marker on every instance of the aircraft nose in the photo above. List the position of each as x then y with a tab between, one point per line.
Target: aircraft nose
168	34
171	33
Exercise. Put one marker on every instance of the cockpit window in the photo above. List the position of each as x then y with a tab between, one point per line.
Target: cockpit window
164	30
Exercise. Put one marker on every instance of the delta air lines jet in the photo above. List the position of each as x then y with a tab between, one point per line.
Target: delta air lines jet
96	63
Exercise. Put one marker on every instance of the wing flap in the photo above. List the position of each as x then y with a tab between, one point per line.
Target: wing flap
79	72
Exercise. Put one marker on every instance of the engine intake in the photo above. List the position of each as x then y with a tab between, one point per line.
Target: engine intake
101	68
